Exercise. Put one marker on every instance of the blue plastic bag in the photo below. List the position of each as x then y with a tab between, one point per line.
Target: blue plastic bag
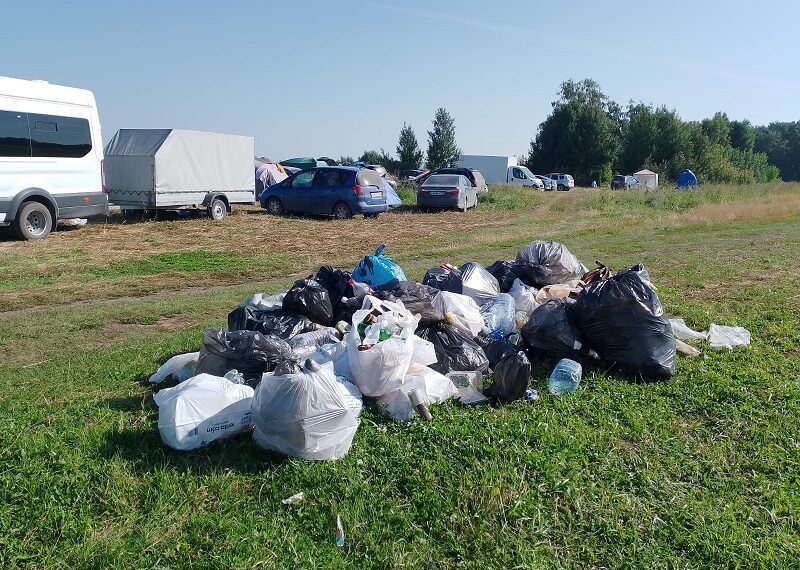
378	271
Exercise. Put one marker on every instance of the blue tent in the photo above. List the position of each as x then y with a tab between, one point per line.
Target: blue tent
686	179
392	199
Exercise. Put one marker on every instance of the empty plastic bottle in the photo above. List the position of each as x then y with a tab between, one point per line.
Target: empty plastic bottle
565	377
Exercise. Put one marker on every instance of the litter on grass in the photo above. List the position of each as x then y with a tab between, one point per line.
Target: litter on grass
297	367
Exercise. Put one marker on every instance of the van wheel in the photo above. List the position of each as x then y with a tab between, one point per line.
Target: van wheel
217	210
561	187
342	211
34	221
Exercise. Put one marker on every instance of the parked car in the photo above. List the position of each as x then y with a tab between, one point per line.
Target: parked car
500	169
546	182
620	181
338	191
51	156
474	176
563	181
409	174
447	191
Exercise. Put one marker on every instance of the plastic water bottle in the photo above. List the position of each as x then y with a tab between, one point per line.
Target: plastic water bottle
566	377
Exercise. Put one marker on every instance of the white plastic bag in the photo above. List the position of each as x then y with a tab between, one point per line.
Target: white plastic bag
683	332
524	297
720	337
201	410
264	302
336	353
436	388
461	311
173	366
307	414
378	367
424	352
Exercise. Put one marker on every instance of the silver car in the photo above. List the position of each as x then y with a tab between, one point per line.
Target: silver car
548	184
447	191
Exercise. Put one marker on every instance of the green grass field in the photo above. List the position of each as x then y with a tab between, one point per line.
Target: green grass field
702	471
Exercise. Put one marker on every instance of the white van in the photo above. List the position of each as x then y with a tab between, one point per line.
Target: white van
51	156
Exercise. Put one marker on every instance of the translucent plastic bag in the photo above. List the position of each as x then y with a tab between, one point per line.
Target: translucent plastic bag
683	332
307	413
478	283
379	366
460	311
524	297
436	388
721	337
264	302
306	344
173	366
498	315
543	263
202	409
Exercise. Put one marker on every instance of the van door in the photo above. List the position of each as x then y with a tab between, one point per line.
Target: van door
296	197
324	190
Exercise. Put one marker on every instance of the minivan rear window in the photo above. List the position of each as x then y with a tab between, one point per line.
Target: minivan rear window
369	178
14	138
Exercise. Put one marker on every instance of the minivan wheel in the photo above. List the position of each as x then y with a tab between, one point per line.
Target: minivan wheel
561	187
274	206
34	221
342	211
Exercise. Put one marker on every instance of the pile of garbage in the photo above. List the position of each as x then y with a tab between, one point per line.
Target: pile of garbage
295	367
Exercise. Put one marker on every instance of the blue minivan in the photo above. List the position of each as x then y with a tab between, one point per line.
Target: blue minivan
338	191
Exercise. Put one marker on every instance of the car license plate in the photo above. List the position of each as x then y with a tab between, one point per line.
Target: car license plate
376	194
437	193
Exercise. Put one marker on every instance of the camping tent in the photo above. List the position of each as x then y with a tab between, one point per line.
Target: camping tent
162	168
302	162
686	179
648	178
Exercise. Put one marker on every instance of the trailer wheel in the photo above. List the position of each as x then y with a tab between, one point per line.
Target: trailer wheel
217	210
34	221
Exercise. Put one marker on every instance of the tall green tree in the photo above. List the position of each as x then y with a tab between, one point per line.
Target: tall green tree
442	148
743	135
780	141
370	157
409	155
579	136
718	129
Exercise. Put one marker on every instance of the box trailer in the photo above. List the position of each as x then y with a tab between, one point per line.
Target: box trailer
500	169
172	169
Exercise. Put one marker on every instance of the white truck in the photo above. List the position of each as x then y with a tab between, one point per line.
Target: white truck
500	170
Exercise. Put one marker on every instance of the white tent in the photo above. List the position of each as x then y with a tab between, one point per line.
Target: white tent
648	178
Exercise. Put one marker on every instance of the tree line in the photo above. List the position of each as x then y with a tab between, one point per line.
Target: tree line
592	137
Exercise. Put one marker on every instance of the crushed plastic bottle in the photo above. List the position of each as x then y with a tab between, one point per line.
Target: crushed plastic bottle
566	377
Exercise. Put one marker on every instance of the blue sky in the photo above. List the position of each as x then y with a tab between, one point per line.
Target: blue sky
334	78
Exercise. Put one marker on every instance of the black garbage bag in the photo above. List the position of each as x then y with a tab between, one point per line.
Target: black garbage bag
309	298
444	279
622	319
496	348
277	323
543	263
551	331
478	283
336	282
505	273
418	299
511	378
249	352
456	350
